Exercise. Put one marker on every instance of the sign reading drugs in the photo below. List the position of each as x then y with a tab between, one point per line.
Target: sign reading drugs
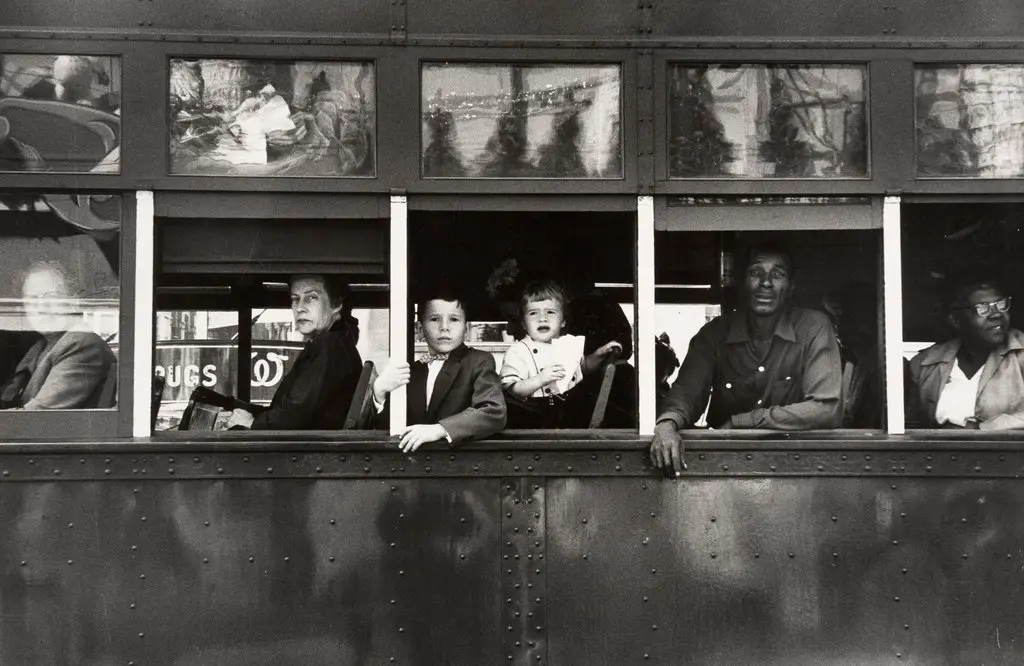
187	365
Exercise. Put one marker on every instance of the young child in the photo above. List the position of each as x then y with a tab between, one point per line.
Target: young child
544	366
454	392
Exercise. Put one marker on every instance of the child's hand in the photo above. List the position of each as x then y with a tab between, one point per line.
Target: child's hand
416	435
612	347
394	374
552	373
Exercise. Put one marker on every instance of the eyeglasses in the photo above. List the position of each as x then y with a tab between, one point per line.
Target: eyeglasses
985	309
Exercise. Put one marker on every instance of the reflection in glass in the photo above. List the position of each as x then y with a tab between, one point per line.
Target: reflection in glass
59	301
518	121
970	120
60	113
767	121
272	118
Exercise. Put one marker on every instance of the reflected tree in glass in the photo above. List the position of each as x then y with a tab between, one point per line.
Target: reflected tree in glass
767	121
698	146
521	121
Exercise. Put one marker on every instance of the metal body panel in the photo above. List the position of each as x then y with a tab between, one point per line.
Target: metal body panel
563	557
250	572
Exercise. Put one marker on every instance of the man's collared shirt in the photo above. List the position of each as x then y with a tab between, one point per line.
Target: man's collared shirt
794	385
999	401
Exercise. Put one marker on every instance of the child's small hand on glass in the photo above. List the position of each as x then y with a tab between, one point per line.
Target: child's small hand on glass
552	373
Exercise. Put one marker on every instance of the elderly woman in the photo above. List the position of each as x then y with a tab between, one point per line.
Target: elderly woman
69	366
317	391
976	379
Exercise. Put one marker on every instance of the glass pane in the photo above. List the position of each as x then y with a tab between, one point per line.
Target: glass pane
60	113
272	118
767	121
59	301
965	364
970	120
519	121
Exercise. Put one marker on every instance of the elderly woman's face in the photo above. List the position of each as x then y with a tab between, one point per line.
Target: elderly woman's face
989	329
311	306
48	307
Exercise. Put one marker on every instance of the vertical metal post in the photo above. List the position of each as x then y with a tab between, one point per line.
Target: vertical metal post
892	273
143	327
645	313
399	297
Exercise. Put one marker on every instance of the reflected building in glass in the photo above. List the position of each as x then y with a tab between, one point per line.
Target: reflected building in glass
970	120
521	121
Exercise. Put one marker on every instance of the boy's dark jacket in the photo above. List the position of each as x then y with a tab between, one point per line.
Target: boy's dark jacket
467	399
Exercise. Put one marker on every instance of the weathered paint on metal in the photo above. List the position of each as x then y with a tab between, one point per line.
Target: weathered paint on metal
265	563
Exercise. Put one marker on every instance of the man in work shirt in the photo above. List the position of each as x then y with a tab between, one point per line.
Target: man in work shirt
767	365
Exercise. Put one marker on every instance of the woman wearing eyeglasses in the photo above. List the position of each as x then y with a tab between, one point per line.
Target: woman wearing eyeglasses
976	379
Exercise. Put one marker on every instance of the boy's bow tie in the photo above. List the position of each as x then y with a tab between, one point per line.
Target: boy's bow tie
431	356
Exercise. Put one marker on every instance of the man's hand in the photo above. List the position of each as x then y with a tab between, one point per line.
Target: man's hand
667	449
552	373
240	417
394	374
416	435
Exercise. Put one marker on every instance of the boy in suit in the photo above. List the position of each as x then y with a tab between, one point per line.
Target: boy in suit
454	392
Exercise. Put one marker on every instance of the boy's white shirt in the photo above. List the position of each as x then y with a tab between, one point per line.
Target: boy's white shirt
433	370
527	357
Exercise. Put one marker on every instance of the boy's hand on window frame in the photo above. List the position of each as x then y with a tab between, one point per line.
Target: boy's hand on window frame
414	436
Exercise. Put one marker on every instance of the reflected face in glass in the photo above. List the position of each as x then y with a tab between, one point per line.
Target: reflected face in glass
543	320
989	330
311	306
48	307
768	284
444	325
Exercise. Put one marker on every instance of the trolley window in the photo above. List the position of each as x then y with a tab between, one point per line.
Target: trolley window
722	266
521	121
970	120
962	277
59	301
241	306
767	121
272	118
60	113
542	289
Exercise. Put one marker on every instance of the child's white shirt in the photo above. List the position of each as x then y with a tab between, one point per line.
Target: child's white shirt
527	357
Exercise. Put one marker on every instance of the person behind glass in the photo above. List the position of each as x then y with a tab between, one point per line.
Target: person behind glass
767	365
976	379
454	392
318	389
533	373
70	367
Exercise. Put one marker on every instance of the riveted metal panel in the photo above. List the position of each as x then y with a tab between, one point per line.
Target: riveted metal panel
499	18
785	571
250	572
625	462
791	18
524	571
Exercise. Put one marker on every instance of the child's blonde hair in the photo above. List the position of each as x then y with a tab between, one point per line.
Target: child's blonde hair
542	290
